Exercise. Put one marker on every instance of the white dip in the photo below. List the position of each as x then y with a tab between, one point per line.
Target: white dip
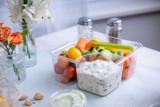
71	98
97	77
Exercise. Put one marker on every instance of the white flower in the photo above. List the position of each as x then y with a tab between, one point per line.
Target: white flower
41	11
37	12
15	10
27	16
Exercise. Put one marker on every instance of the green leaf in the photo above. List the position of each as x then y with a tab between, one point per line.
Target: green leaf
24	40
10	45
13	47
30	2
31	38
25	32
5	43
29	56
25	1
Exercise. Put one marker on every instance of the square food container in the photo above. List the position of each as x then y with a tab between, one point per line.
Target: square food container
98	74
129	59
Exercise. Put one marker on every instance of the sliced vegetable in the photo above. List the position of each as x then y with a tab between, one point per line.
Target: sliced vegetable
61	61
91	49
89	45
100	48
120	53
65	51
114	47
94	51
74	53
97	40
108	55
81	44
84	52
72	64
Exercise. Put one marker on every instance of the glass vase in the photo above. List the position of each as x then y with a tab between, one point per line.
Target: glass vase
28	48
8	93
13	68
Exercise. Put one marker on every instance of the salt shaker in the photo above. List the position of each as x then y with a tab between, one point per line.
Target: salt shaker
114	30
85	28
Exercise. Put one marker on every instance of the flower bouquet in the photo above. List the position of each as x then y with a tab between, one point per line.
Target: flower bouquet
8	42
26	13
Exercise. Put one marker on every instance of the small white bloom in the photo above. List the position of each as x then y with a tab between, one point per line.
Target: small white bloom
41	11
37	12
15	10
27	16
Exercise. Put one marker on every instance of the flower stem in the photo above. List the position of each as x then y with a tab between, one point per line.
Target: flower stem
16	71
28	52
25	33
9	49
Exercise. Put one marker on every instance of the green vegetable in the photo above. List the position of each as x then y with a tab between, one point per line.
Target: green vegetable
120	53
84	52
91	49
100	48
111	45
94	51
65	51
108	55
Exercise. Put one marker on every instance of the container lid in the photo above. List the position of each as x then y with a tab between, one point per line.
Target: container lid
85	21
114	22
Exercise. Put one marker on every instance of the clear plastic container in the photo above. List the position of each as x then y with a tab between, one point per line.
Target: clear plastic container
82	103
8	93
128	68
99	74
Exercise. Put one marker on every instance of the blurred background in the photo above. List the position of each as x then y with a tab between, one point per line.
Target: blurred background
140	18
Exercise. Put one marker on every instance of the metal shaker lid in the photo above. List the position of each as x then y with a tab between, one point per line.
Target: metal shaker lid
85	21
114	22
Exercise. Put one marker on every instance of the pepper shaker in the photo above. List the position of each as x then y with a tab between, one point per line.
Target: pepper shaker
114	30
85	28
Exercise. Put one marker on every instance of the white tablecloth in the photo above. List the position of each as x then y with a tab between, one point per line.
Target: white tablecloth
142	89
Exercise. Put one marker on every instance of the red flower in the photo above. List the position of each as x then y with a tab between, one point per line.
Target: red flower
15	38
5	32
1	25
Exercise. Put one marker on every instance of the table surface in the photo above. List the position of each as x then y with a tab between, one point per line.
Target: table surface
142	89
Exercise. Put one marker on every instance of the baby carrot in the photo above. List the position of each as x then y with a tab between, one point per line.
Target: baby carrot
89	45
126	63
81	44
125	73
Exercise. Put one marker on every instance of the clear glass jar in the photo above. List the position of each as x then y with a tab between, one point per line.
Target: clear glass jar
28	48
13	68
8	93
85	28
114	29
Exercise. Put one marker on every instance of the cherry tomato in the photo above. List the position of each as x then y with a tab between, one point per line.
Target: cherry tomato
74	53
70	72
63	78
58	69
61	61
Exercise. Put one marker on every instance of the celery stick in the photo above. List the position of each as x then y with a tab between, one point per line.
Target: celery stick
104	44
